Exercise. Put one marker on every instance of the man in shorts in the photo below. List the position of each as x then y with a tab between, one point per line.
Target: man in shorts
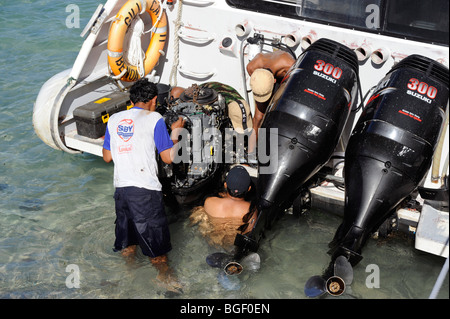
130	141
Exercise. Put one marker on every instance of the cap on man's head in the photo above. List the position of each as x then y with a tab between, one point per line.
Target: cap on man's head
261	82
238	180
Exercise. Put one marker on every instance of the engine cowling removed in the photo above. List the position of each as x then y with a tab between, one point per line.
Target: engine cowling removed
199	165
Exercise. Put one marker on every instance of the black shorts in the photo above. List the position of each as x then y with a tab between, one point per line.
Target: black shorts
141	220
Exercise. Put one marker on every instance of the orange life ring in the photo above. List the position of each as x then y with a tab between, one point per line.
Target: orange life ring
117	36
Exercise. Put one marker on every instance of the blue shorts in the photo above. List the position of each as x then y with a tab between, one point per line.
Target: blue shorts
141	220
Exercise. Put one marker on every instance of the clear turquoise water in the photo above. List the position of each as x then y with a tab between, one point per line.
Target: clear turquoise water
57	209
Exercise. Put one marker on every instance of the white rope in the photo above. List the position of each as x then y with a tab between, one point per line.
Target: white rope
176	41
162	8
133	53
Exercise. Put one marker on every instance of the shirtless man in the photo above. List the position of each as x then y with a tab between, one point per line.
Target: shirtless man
221	218
233	205
265	70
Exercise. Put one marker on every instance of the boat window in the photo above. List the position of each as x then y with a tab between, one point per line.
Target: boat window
426	21
356	13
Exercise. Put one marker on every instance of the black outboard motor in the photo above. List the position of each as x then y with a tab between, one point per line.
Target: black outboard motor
390	149
310	110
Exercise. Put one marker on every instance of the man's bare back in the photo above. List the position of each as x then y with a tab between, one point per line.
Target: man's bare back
226	207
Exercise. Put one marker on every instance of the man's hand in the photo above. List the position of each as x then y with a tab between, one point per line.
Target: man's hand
176	127
178	124
168	155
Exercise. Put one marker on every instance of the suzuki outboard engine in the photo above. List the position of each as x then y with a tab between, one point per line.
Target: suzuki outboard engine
391	148
309	111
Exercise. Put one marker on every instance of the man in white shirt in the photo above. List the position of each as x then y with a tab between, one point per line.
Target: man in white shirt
131	140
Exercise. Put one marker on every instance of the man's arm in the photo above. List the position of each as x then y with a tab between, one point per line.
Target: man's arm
106	150
107	157
168	155
279	62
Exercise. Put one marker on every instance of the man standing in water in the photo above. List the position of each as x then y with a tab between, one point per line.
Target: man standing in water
130	141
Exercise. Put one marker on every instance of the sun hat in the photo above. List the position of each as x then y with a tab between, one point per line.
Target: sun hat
261	82
240	115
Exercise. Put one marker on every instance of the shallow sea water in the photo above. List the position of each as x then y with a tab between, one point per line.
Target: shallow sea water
57	209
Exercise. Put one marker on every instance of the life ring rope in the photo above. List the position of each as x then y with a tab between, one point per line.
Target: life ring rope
117	33
154	29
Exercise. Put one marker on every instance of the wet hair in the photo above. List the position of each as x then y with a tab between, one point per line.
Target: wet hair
143	91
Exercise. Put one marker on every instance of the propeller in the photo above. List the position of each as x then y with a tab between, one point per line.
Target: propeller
227	278
231	267
335	284
218	260
315	286
344	270
251	262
